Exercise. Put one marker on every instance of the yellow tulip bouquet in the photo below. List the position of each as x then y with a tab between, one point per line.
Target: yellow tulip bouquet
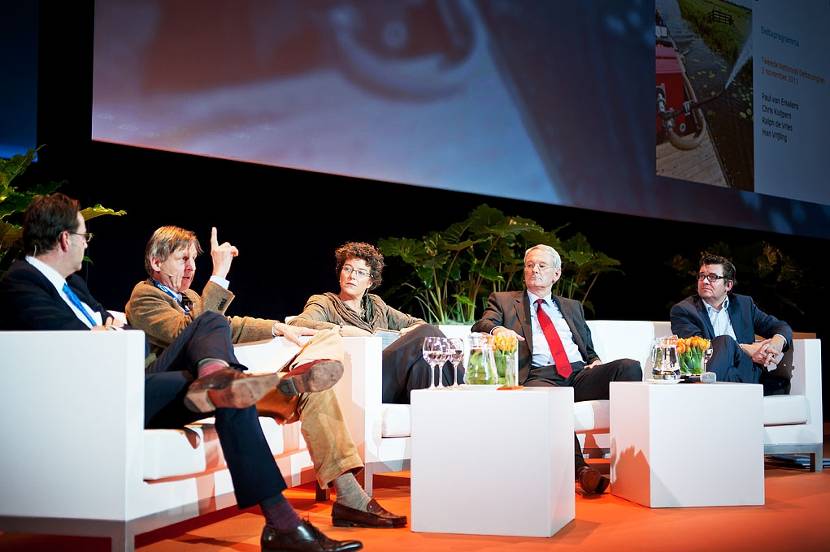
506	353
691	353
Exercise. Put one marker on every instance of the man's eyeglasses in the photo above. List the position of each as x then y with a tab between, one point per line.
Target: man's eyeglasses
358	272
540	266
711	278
87	236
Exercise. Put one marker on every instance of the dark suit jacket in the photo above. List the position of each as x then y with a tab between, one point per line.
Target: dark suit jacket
689	318
511	309
29	301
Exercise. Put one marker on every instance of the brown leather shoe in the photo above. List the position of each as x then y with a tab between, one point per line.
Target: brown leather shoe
317	375
306	537
374	516
591	481
230	388
276	405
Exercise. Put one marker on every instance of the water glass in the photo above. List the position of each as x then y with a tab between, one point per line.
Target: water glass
456	355
435	352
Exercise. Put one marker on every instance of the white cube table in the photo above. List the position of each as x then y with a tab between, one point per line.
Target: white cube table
687	444
491	462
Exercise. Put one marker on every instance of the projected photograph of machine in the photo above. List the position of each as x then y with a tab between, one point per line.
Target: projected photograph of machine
484	96
375	89
704	116
406	51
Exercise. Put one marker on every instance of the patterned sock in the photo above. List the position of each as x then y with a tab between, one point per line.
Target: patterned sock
279	514
350	493
208	366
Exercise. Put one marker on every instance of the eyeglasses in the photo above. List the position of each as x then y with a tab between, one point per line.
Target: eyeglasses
358	272
711	278
87	236
540	266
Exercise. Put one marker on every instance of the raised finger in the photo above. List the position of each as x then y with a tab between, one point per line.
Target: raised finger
214	241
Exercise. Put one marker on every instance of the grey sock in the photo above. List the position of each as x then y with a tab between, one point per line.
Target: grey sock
350	493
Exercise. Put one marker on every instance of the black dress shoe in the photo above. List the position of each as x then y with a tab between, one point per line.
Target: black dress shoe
305	538
230	388
591	481
374	516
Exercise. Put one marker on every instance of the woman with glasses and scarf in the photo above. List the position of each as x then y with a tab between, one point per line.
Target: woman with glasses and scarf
358	312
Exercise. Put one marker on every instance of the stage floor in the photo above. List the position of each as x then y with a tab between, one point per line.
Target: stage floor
795	517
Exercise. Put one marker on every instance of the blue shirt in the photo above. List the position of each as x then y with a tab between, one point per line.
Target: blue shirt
721	323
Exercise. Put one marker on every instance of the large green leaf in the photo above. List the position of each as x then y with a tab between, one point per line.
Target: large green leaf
484	217
9	233
15	201
12	167
98	210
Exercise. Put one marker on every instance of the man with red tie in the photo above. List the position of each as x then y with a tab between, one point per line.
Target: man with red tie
555	347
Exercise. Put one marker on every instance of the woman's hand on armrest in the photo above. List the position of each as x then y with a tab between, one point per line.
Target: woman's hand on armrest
291	333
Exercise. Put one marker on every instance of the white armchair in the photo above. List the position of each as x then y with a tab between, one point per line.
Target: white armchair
793	424
76	457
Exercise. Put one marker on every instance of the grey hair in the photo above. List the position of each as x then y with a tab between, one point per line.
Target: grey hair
557	260
165	241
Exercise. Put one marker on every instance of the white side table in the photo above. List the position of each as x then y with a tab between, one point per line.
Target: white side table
687	444
490	462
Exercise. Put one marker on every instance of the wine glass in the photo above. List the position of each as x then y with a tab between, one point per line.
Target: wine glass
456	355
435	354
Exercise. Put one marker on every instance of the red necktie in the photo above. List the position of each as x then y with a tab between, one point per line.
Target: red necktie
560	358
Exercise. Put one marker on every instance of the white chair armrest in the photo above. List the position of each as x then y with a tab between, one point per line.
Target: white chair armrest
73	416
806	377
359	394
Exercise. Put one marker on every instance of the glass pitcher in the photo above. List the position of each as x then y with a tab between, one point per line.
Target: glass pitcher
664	359
481	367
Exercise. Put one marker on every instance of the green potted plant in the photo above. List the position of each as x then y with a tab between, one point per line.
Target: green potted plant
15	200
454	270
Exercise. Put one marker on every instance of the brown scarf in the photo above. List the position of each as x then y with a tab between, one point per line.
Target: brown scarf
372	317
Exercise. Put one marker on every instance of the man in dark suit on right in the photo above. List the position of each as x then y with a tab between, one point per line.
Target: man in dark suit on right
555	346
731	322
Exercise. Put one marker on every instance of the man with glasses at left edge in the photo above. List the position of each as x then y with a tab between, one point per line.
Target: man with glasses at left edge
731	322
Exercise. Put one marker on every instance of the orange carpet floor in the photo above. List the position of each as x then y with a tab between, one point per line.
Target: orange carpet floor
796	517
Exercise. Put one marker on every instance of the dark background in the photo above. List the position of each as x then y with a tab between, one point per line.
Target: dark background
287	238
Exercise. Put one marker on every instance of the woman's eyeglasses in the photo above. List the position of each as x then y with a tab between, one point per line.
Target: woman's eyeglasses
358	272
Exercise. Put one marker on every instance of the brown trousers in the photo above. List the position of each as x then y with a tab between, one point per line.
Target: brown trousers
329	443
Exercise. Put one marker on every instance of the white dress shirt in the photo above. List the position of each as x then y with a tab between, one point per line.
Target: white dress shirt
541	350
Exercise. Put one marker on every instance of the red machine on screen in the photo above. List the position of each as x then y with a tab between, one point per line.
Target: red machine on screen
679	118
